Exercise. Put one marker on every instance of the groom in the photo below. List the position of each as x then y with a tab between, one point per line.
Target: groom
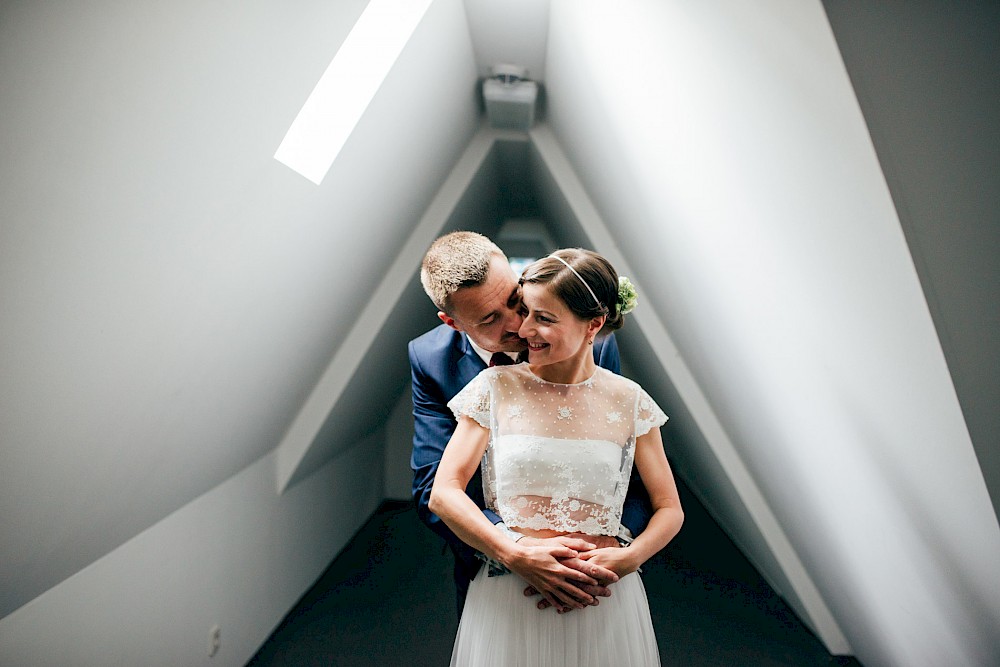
478	299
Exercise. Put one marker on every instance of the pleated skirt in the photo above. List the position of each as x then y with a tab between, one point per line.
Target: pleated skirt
502	628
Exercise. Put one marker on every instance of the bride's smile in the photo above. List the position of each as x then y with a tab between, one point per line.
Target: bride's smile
557	338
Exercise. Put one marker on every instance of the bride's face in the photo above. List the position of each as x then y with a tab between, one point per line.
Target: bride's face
554	333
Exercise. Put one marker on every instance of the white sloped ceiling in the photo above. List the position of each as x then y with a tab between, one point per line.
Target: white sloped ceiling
725	150
171	293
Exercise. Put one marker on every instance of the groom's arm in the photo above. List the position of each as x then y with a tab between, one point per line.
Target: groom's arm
433	426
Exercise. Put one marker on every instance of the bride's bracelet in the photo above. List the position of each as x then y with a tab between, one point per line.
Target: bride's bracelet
512	534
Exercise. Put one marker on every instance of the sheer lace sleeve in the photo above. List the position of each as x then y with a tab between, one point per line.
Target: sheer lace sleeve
647	414
474	400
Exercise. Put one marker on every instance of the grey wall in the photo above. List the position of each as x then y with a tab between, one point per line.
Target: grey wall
398	445
237	558
926	75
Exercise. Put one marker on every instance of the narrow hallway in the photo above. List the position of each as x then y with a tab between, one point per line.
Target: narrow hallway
388	599
205	391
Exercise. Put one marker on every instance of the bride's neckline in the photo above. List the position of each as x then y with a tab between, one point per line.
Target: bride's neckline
563	384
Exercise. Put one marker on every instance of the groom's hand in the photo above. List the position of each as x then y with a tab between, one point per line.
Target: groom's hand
603	575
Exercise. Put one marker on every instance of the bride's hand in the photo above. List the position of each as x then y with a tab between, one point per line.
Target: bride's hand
599	541
616	559
580	543
551	567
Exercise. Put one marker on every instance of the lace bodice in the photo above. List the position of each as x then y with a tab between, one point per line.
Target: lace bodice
559	456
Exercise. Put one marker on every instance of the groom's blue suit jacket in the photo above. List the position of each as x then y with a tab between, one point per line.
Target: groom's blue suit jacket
442	362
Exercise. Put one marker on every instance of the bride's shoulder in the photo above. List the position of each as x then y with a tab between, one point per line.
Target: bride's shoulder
611	377
617	383
504	374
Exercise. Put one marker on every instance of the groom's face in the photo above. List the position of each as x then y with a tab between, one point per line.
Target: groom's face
490	313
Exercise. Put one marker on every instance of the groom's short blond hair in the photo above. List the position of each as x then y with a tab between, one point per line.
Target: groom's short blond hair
454	261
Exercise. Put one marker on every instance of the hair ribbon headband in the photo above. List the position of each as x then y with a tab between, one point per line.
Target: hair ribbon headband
596	300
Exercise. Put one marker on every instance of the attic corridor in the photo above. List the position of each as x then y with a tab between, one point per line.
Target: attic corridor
203	375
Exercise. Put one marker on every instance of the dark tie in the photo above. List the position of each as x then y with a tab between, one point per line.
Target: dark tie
500	359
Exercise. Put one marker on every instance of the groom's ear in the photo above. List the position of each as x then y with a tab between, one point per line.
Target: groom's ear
444	317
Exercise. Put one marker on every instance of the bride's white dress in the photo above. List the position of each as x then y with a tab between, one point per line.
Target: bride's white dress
559	458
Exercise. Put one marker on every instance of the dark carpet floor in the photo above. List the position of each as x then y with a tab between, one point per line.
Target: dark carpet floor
388	599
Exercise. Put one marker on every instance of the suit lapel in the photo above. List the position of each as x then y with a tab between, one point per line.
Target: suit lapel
469	364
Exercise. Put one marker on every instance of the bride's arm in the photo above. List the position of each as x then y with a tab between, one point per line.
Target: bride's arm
538	565
667	517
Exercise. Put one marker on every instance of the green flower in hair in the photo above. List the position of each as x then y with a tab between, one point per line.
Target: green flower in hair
627	296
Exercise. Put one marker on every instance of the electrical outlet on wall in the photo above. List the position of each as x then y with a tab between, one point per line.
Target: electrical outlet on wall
214	640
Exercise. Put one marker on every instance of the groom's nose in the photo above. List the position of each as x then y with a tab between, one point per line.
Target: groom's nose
514	319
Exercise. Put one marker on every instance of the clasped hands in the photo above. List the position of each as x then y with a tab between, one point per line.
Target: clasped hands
570	571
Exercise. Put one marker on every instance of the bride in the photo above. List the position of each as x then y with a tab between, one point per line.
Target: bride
556	439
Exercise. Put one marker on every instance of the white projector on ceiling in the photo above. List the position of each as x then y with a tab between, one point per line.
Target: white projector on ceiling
510	98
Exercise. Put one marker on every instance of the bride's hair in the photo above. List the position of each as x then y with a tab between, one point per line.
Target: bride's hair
583	280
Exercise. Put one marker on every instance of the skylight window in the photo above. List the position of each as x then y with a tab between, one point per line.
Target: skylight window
347	87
